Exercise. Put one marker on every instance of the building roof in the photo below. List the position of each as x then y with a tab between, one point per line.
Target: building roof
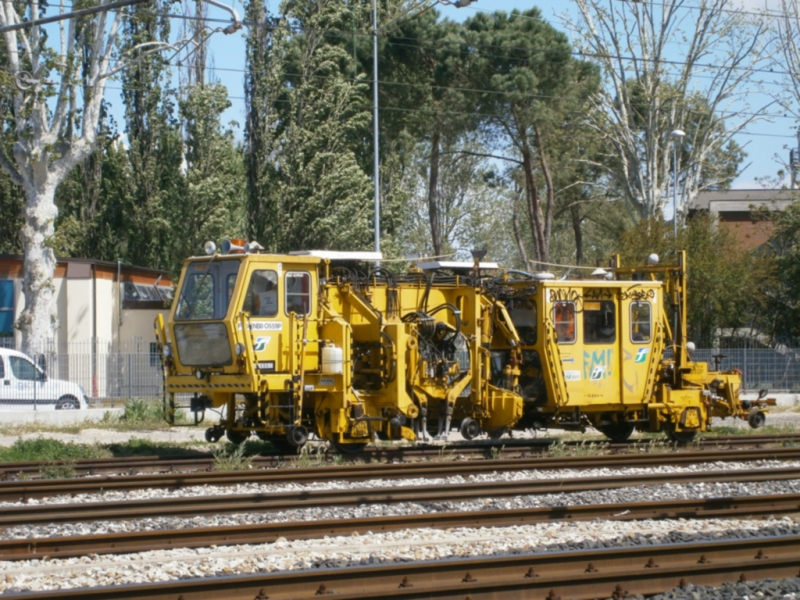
742	200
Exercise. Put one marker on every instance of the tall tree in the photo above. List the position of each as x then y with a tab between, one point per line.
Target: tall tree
647	93
52	120
533	89
313	191
213	206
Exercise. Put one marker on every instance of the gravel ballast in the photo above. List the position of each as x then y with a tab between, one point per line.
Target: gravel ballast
373	549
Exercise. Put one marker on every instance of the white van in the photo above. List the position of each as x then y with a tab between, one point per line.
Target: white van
24	385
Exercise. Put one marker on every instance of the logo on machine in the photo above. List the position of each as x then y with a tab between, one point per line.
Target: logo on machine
598	372
572	375
641	355
261	343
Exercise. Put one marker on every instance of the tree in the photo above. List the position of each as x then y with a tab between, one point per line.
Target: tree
647	93
723	280
532	91
308	189
214	203
53	119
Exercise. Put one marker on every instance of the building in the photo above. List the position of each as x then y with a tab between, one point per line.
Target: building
105	340
733	210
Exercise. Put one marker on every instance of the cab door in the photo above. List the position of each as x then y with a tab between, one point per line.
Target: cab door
262	301
600	343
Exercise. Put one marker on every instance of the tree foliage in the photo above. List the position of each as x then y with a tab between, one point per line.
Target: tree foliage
312	191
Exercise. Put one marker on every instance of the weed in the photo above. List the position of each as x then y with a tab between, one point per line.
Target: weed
312	456
445	456
560	450
57	470
495	452
225	460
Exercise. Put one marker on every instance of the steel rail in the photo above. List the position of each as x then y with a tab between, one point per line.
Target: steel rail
141	541
580	574
14	491
514	447
39	514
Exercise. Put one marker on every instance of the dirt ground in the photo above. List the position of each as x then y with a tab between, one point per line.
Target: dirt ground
779	417
110	436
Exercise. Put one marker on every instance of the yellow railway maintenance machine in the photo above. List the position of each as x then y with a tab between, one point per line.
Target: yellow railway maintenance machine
593	353
330	342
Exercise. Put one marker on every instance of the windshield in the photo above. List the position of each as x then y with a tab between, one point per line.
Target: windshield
207	289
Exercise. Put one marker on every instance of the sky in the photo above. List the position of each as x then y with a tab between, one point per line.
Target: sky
762	141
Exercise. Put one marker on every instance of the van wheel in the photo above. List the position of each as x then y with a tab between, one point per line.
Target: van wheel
68	403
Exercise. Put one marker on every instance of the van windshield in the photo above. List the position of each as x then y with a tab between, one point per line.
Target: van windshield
207	289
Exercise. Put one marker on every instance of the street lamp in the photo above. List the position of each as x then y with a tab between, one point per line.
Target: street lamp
375	123
676	135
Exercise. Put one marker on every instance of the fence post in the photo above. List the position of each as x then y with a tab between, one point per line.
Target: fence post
744	368
130	372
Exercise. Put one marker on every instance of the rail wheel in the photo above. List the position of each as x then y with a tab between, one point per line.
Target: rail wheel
237	437
282	445
617	432
498	433
347	448
679	437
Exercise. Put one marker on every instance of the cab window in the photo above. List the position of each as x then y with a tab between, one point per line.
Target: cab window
298	293
207	290
599	322
262	294
641	322
564	319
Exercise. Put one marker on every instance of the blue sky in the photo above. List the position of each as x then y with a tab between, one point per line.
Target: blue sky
762	141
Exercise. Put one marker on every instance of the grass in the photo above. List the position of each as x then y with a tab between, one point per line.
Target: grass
232	458
560	450
49	450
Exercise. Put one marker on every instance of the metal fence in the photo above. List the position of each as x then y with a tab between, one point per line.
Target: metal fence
775	370
133	370
106	370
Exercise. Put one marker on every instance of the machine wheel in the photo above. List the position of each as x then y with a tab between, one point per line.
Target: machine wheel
237	437
213	434
617	432
68	403
297	436
679	437
470	429
347	448
756	418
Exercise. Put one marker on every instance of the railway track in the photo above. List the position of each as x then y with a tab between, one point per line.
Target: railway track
602	573
123	543
16	491
505	448
41	514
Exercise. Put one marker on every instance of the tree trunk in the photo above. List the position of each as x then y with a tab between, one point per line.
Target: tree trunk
39	320
534	207
576	228
518	236
433	184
